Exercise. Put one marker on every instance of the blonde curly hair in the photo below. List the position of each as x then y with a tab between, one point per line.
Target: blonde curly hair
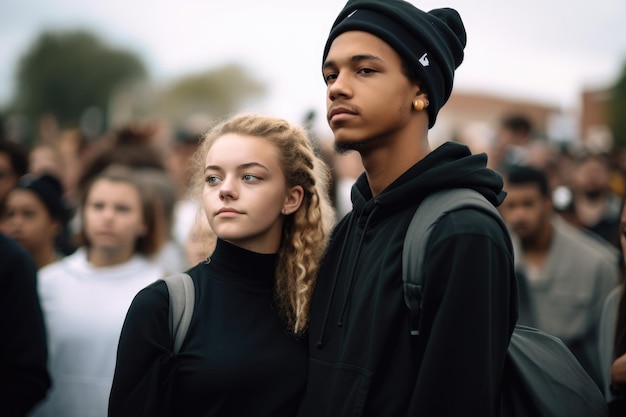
306	231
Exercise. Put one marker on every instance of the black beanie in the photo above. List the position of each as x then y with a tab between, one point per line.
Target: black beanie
49	190
431	43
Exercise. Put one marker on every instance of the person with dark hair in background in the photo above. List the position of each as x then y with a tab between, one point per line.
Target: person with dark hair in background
24	378
13	165
612	342
389	68
595	205
512	142
35	215
568	273
85	295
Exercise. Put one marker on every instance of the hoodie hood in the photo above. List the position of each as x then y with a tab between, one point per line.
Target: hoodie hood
451	165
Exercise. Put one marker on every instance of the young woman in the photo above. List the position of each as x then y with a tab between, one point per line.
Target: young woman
263	191
85	296
612	344
35	215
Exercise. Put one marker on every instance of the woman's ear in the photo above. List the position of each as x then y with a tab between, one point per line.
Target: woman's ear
293	200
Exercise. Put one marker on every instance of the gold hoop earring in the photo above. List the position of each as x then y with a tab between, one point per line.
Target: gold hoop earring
418	104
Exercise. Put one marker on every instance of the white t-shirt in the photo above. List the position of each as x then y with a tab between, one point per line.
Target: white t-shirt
84	309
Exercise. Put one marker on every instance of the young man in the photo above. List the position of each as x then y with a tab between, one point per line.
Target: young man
389	68
568	272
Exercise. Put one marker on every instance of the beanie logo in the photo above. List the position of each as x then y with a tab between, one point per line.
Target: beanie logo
351	13
424	60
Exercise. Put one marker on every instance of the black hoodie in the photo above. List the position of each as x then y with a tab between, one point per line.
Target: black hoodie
363	360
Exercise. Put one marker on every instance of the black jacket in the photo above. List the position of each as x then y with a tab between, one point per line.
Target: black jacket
24	377
363	360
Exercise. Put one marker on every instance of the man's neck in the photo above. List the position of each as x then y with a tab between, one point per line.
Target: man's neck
536	250
384	164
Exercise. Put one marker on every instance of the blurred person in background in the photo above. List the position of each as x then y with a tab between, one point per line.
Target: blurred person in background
348	167
200	242
178	160
86	295
568	273
24	378
75	149
13	164
131	145
161	186
510	146
35	216
46	158
613	336
595	205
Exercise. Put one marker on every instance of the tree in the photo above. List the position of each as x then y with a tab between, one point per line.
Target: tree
65	73
217	92
617	110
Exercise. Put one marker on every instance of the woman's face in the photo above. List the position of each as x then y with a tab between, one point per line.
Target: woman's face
27	220
113	217
245	195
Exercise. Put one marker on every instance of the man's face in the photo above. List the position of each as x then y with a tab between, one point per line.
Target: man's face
592	176
526	210
368	95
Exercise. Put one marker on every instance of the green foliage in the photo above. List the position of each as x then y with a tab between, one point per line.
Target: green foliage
65	73
217	92
617	110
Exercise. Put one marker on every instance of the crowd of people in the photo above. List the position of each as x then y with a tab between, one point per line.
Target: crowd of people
295	251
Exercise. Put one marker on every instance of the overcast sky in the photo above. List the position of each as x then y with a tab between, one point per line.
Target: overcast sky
546	50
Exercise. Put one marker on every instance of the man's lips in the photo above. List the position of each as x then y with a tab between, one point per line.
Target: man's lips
340	112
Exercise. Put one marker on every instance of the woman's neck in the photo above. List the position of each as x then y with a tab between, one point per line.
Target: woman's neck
100	257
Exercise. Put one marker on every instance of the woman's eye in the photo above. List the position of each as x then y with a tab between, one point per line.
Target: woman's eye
211	179
250	178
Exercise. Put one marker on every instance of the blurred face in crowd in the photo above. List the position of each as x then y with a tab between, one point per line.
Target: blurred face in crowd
27	220
113	218
45	159
592	176
526	210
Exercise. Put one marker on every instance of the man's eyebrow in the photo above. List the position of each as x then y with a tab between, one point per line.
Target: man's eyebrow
353	59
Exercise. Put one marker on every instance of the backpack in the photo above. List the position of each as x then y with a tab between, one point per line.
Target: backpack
182	298
541	376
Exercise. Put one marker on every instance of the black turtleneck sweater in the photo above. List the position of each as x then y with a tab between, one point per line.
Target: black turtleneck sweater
238	359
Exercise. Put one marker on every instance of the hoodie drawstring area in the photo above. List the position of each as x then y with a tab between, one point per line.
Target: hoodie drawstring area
346	299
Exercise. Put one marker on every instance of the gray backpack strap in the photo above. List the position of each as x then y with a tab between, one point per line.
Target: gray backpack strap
182	299
414	250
